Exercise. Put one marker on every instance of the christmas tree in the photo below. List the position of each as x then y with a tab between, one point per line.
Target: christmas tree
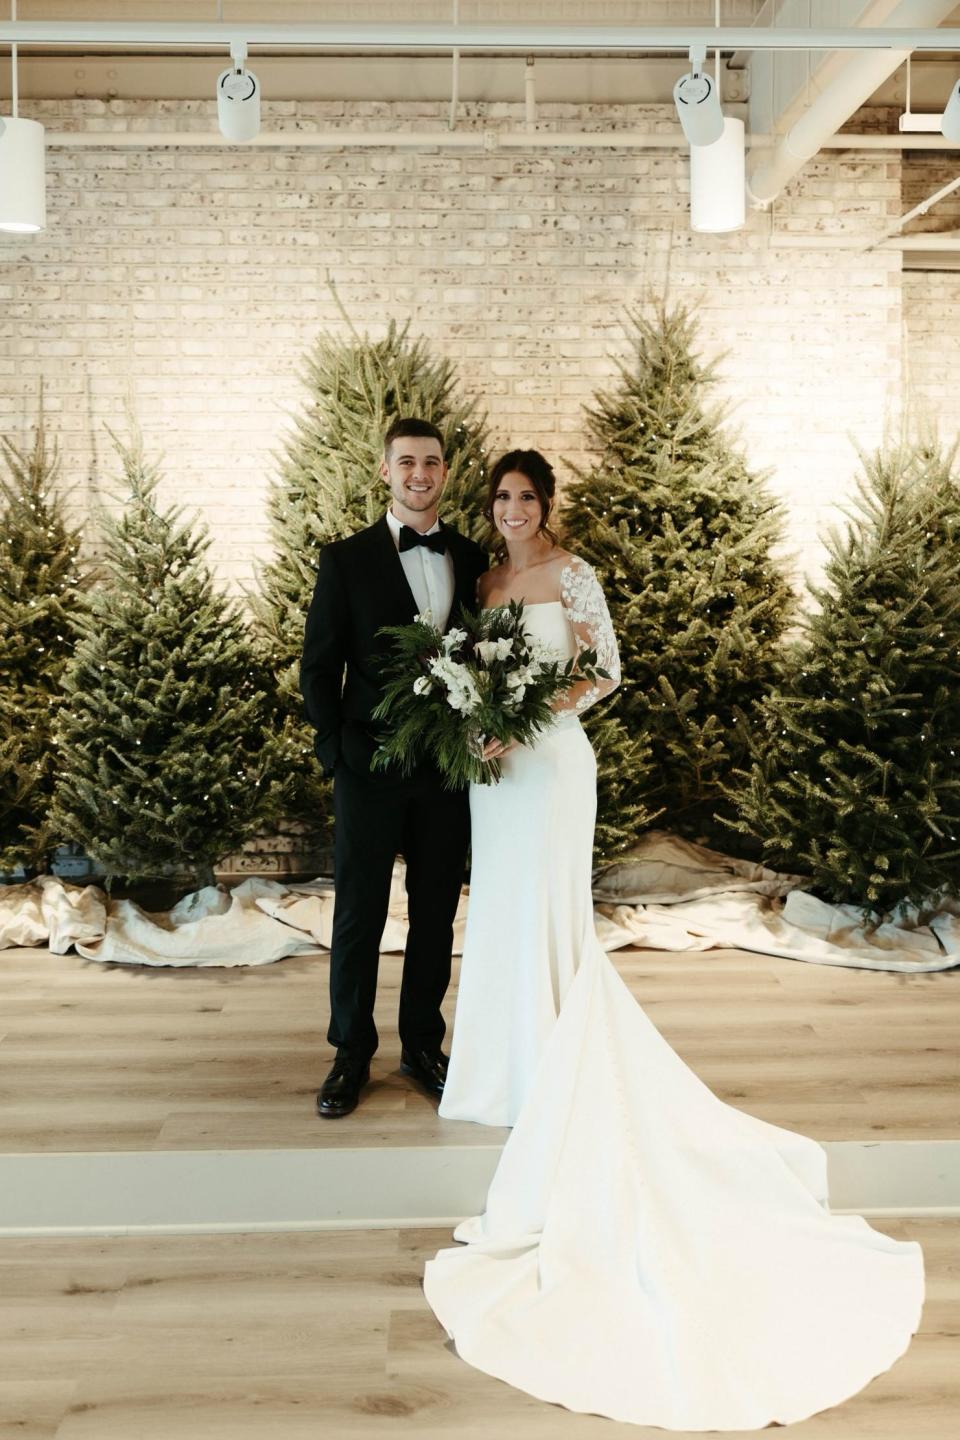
680	532
39	582
856	771
166	761
623	775
329	486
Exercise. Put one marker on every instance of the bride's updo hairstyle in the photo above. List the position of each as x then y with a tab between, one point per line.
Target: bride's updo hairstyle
533	467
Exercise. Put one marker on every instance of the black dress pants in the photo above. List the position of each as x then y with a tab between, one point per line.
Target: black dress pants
374	822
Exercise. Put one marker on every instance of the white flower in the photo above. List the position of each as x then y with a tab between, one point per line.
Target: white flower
425	617
490	650
542	655
421	685
462	700
462	693
450	672
452	639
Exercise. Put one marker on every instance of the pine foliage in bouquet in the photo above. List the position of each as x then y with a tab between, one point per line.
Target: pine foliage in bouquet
39	585
166	758
329	487
682	536
446	694
856	767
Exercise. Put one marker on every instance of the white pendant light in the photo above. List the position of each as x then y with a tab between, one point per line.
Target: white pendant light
23	207
718	182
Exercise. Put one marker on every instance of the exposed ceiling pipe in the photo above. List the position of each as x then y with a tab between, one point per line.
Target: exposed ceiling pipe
854	80
929	240
924	240
454	75
873	15
343	139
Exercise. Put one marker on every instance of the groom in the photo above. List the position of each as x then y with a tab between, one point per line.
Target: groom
406	563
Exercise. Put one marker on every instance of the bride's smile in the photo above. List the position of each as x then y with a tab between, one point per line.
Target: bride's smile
518	514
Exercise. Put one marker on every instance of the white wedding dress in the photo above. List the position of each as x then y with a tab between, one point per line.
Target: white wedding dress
647	1252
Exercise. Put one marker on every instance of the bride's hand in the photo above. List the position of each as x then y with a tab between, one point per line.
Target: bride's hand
496	749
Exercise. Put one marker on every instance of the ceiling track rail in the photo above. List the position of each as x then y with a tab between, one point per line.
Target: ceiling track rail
492	38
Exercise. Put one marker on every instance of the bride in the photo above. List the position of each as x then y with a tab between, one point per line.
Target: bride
647	1252
533	832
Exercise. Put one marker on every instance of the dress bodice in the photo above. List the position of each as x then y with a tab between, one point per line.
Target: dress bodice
547	622
578	621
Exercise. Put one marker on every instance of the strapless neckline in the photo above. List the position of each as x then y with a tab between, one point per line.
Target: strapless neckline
534	604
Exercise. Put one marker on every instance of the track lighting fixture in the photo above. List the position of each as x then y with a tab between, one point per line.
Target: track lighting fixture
238	98
698	102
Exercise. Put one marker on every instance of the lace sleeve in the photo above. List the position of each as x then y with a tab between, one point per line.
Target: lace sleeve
586	609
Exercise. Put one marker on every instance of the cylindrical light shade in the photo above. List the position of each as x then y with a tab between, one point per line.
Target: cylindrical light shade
238	105
23	206
718	199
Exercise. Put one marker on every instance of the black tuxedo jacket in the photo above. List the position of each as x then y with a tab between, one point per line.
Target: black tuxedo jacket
360	588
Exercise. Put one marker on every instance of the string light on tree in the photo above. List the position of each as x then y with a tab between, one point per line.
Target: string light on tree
39	582
682	534
165	680
887	623
329	487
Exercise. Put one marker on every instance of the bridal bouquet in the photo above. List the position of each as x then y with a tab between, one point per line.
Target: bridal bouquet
448	694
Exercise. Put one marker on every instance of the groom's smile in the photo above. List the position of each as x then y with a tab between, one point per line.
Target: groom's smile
413	467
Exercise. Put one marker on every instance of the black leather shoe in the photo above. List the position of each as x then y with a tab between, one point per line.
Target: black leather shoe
429	1067
340	1092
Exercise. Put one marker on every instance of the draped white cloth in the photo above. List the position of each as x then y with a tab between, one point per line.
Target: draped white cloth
715	904
647	1252
208	927
668	894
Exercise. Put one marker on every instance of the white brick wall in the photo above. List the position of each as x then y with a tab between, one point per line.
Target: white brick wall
931	304
192	282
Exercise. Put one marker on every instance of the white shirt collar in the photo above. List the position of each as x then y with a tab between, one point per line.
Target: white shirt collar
396	526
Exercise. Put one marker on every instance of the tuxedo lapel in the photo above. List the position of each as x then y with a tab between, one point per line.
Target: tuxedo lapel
392	587
392	580
464	576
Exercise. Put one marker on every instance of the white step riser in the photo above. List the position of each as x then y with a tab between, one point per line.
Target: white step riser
209	1191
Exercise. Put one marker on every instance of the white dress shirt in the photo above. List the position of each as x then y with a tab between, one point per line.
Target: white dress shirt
429	575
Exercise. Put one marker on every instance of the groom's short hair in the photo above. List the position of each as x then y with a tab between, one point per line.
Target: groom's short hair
410	426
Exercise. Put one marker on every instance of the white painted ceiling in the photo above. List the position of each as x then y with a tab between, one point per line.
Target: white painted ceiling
132	74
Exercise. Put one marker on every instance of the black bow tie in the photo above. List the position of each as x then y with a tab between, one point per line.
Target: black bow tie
409	538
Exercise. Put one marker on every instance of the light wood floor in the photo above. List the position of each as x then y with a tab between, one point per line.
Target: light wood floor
95	1057
323	1335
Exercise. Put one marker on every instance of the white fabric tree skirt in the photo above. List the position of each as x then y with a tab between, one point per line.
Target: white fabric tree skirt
667	894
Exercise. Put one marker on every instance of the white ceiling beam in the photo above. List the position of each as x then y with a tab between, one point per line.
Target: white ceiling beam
309	76
347	138
582	39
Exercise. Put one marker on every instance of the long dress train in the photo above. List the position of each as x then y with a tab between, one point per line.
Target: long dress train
647	1252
